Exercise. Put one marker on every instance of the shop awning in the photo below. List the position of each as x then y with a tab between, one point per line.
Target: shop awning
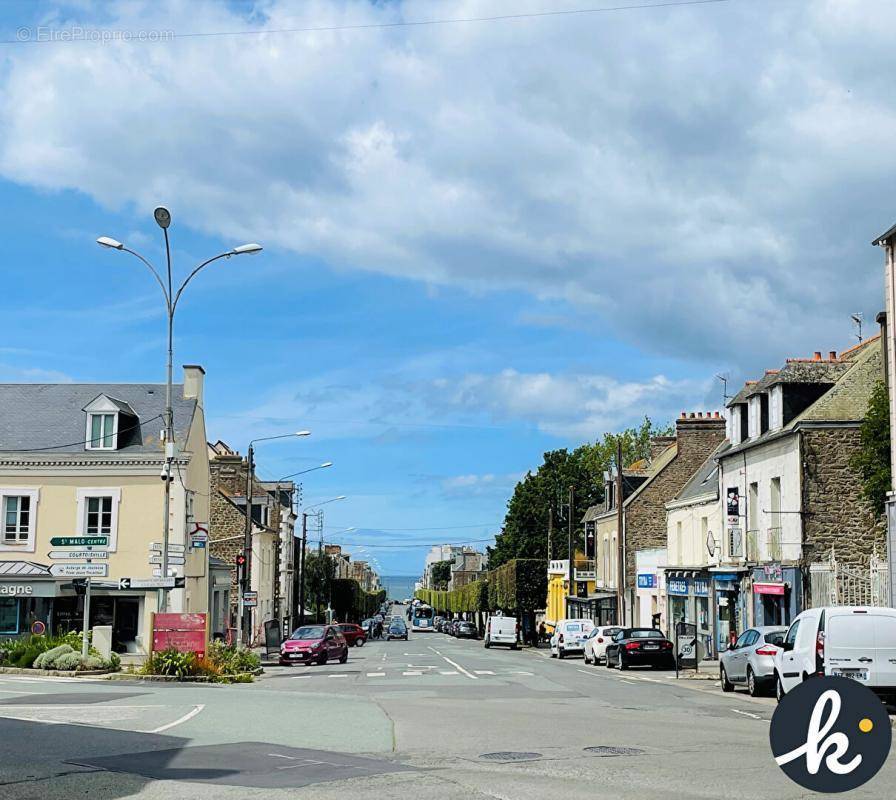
769	588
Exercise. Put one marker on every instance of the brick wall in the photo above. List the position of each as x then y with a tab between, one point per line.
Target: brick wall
836	516
645	517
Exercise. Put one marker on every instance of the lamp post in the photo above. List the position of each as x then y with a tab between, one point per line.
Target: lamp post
244	617
305	516
163	219
304	471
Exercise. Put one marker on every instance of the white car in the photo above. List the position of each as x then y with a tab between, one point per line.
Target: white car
857	642
569	637
502	630
597	641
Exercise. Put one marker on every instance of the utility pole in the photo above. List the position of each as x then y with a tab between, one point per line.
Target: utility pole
571	552
550	532
301	608
620	533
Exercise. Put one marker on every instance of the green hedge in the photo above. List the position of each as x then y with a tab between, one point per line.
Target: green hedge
519	585
351	603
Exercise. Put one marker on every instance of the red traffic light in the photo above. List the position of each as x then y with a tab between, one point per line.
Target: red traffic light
241	560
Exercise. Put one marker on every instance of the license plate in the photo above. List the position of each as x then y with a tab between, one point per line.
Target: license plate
855	674
296	655
651	647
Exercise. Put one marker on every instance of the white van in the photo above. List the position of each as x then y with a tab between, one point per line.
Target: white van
569	637
857	642
502	630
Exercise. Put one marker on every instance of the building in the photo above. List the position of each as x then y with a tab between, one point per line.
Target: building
437	553
342	562
85	460
792	501
467	566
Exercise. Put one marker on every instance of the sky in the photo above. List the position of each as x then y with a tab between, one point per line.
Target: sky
485	237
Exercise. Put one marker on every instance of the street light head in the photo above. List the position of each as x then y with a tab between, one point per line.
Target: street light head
253	247
303	433
326	464
341	497
108	241
163	216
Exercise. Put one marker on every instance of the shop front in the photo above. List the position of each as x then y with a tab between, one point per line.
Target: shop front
24	601
688	593
777	593
599	607
730	606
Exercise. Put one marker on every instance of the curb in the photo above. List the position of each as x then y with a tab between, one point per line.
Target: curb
57	673
225	679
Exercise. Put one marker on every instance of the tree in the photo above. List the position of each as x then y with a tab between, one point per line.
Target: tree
872	462
319	573
543	494
441	574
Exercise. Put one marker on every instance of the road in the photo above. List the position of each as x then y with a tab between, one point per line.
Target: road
433	717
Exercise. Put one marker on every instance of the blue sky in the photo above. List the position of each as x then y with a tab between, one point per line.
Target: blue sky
482	241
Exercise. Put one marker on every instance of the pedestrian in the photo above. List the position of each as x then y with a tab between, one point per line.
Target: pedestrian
542	633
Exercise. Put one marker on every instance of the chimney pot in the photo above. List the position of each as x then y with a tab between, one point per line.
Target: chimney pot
817	356
833	355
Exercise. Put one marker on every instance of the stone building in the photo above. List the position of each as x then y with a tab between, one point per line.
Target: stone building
792	500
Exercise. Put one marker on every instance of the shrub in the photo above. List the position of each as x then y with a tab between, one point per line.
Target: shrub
46	660
230	660
68	661
171	662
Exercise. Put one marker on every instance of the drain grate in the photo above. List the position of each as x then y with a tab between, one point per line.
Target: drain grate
510	756
604	750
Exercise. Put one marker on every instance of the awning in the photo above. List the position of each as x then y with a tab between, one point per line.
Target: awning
769	588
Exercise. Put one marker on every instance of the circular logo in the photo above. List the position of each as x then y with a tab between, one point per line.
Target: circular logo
830	734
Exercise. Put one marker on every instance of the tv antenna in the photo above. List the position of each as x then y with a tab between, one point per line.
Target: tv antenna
857	320
724	379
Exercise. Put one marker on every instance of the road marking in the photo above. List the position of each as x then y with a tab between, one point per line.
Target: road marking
376	674
630	683
449	672
189	715
412	673
484	672
457	666
337	676
746	713
299	677
521	673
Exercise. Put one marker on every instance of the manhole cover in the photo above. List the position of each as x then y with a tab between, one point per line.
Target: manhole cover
604	750
510	756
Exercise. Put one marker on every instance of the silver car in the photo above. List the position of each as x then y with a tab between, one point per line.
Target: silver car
750	661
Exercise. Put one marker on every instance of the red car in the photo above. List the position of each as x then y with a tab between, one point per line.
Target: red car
355	635
314	643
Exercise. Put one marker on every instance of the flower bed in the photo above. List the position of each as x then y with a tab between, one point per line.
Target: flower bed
221	664
54	654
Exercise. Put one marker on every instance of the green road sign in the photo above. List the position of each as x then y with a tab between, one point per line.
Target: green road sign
79	541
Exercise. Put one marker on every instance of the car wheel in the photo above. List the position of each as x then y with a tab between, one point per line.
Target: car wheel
553	654
486	644
779	688
360	643
607	660
622	665
587	660
752	684
323	659
727	686
344	657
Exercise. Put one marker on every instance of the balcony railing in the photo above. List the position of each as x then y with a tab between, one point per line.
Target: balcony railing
773	543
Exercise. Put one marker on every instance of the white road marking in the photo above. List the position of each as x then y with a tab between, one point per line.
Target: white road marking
376	674
457	666
412	673
746	713
41	721
449	672
337	676
483	672
299	677
630	683
189	715
521	673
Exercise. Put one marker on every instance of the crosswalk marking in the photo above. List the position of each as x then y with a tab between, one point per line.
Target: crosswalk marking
483	672
415	672
449	672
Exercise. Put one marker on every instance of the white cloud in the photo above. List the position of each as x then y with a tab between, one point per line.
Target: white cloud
693	176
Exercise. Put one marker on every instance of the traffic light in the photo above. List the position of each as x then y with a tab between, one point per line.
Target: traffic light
80	586
241	560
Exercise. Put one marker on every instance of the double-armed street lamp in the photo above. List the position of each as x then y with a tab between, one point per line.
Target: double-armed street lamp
163	219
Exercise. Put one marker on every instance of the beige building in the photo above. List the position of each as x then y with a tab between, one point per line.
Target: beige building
80	460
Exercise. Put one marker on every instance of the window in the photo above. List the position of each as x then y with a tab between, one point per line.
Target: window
98	513
9	615
16	518
18	508
753	507
101	430
790	639
679	544
743	640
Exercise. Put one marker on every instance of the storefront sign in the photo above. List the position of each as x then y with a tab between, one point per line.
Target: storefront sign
732	496
42	589
677	586
701	587
646	581
724	576
769	588
589	540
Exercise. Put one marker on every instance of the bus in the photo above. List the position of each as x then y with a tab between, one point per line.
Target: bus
421	618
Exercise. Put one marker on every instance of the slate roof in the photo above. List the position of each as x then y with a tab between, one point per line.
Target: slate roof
49	417
705	479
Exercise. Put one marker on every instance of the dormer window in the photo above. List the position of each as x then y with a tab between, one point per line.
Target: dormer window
101	431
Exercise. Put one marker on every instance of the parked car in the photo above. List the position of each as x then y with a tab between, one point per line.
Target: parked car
502	630
397	630
437	623
750	661
314	643
443	626
354	635
466	630
569	637
857	642
597	641
640	647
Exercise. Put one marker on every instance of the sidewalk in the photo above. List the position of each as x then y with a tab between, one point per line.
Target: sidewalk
706	671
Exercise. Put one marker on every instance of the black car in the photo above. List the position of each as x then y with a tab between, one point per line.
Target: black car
640	647
397	630
466	630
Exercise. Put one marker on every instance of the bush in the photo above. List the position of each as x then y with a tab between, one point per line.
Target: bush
46	660
230	660
171	662
68	661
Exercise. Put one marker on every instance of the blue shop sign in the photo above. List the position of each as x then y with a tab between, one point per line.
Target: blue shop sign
677	585
646	581
724	577
701	587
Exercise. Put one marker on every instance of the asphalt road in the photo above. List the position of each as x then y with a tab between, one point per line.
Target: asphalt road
433	717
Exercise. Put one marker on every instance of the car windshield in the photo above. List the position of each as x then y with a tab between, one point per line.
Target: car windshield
397	626
644	633
423	613
309	632
575	627
776	638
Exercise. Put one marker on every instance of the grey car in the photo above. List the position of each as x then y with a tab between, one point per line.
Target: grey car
750	661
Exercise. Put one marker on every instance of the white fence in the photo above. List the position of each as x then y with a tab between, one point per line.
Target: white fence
834	583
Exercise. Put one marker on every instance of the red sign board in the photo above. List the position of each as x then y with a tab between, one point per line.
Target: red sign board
184	632
768	588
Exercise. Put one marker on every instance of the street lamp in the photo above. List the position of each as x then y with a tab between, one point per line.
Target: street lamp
244	617
163	219
311	469
320	547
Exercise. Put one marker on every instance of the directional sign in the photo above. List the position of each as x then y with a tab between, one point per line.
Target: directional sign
54	554
80	541
172	548
146	583
80	570
172	572
171	560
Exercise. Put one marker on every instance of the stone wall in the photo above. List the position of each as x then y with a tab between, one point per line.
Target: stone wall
835	514
645	516
227	524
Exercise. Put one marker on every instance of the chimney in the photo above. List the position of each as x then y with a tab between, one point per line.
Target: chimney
194	377
817	355
699	435
833	355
